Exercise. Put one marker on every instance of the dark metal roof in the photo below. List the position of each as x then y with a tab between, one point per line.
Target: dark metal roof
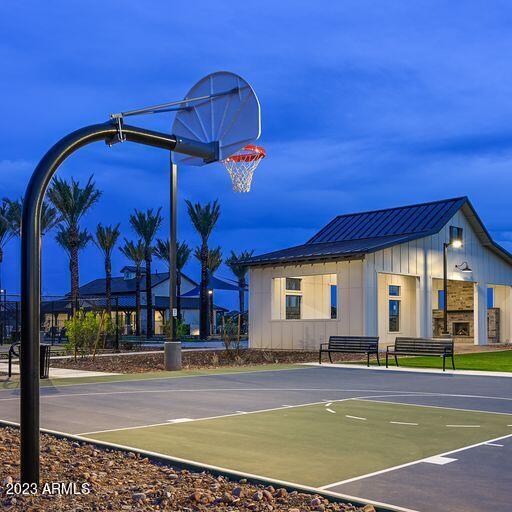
352	235
405	220
122	302
120	285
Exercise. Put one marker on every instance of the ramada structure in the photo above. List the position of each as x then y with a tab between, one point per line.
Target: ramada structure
381	273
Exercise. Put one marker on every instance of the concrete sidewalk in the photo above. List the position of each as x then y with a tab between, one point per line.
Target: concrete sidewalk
59	373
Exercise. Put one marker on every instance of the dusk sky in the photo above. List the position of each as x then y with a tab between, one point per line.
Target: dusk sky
365	105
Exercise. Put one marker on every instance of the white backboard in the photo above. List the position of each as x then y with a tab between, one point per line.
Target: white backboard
230	115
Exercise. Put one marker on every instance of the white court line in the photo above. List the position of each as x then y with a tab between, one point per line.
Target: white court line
412	463
330	410
122	381
181	420
463	426
222	416
439	461
354	417
495	444
328	404
241	412
403	423
369	399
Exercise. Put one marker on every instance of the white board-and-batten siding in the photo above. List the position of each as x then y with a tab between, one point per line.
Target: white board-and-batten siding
358	290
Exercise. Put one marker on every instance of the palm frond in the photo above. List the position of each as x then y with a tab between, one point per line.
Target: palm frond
214	258
65	240
106	238
71	200
146	225
236	263
204	218
134	251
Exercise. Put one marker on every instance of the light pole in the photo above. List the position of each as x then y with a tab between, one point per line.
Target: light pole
455	242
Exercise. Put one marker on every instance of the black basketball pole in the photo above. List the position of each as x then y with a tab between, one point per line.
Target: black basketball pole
173	272
110	132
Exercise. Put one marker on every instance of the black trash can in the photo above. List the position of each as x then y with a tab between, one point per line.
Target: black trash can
44	361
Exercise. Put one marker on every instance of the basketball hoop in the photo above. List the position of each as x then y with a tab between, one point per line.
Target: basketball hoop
241	166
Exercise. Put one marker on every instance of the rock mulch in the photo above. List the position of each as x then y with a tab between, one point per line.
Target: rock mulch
125	481
140	363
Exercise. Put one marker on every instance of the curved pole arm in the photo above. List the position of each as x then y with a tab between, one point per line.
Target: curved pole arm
30	261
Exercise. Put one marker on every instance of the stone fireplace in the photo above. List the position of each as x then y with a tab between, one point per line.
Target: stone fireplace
461	323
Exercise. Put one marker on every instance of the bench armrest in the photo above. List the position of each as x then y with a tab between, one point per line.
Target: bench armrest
389	346
324	345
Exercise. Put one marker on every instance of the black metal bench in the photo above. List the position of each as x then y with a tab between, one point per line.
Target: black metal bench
351	345
422	347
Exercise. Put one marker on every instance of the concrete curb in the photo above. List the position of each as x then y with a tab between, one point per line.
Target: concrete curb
217	471
472	373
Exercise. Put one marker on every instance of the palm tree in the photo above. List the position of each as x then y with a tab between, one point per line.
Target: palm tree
214	261
162	251
72	242
136	253
146	225
204	219
106	239
50	217
239	268
72	202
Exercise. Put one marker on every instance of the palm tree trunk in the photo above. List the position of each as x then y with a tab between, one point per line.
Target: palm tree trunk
149	299
178	295
137	301
73	265
203	296
108	284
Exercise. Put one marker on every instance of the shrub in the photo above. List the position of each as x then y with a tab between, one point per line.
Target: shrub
84	332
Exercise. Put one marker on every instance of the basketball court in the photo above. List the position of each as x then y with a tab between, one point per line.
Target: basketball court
407	440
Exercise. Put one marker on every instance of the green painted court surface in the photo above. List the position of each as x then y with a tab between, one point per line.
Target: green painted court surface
317	445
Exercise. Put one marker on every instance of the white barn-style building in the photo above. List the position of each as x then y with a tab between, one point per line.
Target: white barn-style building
380	273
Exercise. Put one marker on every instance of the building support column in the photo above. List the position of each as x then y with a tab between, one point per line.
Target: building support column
425	306
370	300
480	313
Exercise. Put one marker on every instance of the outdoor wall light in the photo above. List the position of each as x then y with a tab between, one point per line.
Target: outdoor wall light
463	267
455	237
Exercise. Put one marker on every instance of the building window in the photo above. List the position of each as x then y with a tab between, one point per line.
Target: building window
293	303
312	297
440	299
293	284
394	315
334	301
490	298
394	290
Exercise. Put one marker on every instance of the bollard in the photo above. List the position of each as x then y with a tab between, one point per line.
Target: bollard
172	355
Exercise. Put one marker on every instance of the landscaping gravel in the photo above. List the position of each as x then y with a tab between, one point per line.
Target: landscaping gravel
139	363
121	481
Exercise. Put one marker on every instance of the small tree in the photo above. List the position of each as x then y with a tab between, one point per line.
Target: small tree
83	331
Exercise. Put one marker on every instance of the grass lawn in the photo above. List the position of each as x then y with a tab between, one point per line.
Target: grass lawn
499	361
314	446
14	381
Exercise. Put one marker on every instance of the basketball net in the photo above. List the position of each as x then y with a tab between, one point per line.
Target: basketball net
241	166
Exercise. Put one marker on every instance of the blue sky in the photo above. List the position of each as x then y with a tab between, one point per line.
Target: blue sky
365	105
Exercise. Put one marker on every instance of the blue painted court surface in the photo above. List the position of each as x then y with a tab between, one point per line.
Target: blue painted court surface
425	442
